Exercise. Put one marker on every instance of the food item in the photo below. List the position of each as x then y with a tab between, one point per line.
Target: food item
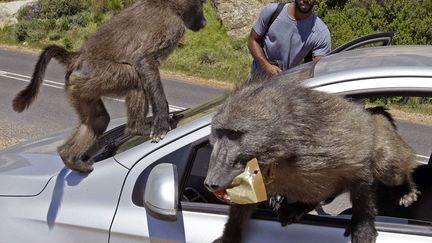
247	188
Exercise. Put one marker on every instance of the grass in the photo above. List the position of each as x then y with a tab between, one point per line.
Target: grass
211	54
425	109
413	105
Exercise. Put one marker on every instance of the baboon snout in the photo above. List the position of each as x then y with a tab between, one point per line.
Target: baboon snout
212	187
198	25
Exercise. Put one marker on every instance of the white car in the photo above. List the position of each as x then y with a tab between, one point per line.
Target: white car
153	192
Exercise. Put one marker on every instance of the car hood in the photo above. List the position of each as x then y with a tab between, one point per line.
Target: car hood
25	169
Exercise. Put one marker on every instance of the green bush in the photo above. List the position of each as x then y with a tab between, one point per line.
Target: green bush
409	20
51	20
32	30
29	11
104	6
53	9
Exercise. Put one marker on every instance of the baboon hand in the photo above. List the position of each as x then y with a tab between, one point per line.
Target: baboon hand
288	214
159	129
409	198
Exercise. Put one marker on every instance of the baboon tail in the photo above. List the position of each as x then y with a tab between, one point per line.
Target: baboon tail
26	96
380	110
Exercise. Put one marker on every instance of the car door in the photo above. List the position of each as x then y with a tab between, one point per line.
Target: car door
377	39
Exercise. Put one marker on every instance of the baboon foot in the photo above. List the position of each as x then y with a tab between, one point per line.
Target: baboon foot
409	198
80	166
159	129
362	233
77	164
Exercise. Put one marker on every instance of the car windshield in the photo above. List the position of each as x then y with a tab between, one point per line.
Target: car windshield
178	119
116	141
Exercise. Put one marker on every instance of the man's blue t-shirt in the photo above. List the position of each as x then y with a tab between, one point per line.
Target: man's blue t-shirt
288	41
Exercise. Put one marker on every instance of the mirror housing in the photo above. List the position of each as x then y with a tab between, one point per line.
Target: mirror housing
161	192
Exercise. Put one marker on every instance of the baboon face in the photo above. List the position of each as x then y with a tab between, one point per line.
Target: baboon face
193	15
237	136
226	161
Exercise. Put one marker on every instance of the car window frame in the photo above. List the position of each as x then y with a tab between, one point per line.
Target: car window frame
384	37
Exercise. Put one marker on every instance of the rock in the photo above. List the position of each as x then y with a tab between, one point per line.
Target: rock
237	16
9	10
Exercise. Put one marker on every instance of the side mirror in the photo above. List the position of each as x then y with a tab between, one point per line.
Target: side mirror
161	192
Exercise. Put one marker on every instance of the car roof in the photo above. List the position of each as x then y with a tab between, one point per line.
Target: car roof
396	70
383	57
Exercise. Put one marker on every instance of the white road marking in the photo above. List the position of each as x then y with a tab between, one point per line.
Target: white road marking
422	159
59	85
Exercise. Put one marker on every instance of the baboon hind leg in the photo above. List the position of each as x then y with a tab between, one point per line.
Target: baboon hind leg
362	225
137	110
94	119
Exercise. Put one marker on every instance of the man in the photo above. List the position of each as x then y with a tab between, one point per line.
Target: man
295	32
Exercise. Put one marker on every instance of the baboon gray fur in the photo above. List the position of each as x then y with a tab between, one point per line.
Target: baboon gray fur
311	147
121	58
390	151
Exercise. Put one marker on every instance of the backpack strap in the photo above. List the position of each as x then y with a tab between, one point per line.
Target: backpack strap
274	16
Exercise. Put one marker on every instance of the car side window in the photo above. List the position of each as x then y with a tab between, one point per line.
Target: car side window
194	190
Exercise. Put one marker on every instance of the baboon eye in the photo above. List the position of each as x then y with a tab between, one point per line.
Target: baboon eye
233	135
230	134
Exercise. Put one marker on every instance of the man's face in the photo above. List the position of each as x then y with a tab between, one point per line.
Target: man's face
304	6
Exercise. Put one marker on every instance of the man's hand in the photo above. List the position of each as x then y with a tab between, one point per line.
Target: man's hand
272	69
257	53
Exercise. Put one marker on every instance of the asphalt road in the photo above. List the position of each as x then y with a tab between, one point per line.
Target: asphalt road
51	112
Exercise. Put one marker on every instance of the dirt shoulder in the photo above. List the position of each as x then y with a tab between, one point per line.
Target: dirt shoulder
412	117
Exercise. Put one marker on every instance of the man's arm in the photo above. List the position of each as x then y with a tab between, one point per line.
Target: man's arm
323	47
257	52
